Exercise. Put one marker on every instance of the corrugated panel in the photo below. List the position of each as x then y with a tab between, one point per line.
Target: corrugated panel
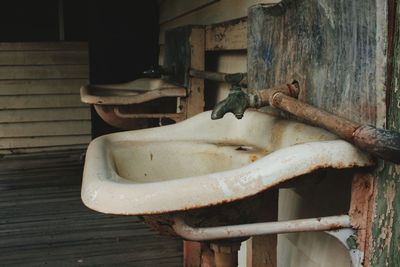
43	221
40	106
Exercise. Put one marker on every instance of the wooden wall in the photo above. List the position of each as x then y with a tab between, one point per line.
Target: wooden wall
40	106
174	13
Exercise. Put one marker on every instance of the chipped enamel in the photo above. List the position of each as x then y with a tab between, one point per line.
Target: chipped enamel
200	162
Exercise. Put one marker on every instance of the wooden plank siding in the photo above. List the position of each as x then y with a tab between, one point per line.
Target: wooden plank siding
40	106
40	101
10	58
43	72
45	115
41	87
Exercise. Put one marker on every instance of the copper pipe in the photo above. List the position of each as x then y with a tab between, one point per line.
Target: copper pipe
381	143
340	126
233	78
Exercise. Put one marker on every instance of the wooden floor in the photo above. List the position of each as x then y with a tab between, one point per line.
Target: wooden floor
44	223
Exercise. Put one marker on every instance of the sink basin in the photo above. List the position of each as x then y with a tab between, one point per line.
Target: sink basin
200	163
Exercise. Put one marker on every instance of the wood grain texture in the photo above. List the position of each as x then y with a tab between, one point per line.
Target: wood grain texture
44	72
262	250
227	36
195	100
330	47
41	87
48	141
40	101
43	57
40	115
40	107
223	10
384	236
43	221
41	46
34	129
337	51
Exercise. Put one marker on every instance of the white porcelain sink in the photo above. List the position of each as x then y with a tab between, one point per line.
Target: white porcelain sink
199	162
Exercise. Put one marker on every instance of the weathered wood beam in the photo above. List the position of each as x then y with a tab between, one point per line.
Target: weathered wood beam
384	239
231	35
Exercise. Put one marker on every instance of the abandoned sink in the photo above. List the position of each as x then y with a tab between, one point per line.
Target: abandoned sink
199	162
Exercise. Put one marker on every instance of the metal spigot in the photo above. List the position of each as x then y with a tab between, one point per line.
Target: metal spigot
236	102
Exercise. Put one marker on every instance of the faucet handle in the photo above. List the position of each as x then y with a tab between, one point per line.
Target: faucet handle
236	102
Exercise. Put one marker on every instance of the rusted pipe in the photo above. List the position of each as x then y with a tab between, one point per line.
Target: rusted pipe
381	143
246	230
340	126
232	78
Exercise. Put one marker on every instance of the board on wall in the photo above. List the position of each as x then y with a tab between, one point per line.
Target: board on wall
335	49
40	107
210	13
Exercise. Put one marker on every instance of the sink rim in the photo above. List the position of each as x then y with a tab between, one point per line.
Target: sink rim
105	191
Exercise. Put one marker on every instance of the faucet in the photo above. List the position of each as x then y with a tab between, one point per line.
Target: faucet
238	101
381	143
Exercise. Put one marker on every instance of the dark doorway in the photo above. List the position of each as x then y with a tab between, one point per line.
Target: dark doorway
123	42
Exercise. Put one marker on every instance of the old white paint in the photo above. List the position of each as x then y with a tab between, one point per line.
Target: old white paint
138	164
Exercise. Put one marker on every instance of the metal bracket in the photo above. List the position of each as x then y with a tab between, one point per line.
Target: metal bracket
348	238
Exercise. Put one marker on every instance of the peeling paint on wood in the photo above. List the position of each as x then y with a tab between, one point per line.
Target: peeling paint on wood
230	35
384	240
329	46
337	50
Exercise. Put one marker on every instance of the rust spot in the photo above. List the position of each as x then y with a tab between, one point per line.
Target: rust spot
253	158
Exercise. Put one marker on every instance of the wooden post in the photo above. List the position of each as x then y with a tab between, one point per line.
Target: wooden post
360	208
384	231
195	100
185	49
262	250
336	50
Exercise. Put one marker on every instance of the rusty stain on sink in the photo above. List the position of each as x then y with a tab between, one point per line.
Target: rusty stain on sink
201	163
